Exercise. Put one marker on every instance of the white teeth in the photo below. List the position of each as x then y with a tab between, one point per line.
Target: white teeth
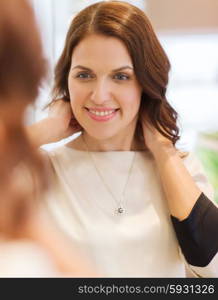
102	113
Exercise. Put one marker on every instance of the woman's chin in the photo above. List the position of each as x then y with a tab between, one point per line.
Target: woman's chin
98	135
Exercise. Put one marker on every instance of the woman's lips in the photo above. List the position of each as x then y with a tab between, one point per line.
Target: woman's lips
101	115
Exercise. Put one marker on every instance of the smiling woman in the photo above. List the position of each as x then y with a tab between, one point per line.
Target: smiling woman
127	47
130	201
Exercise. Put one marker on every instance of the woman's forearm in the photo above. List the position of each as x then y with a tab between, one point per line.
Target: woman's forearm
59	125
180	189
39	133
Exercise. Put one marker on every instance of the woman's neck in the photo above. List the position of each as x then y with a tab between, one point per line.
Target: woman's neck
117	143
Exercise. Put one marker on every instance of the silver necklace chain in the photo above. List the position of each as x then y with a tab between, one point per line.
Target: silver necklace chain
120	203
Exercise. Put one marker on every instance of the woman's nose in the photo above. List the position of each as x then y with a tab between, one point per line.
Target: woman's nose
101	92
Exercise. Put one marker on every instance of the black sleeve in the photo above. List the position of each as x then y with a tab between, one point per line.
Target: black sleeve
198	233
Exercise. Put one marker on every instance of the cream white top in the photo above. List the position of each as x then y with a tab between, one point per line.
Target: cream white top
23	258
138	243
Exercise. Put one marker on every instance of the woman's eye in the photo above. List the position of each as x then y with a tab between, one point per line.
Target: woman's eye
84	76
121	76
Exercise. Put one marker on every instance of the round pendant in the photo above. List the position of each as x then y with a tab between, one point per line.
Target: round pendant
120	210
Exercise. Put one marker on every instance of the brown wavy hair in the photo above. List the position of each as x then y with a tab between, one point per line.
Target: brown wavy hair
151	65
23	67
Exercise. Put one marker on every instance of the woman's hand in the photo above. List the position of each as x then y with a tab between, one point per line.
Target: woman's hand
59	124
179	187
61	120
153	139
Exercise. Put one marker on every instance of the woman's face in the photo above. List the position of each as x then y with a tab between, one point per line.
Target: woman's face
104	92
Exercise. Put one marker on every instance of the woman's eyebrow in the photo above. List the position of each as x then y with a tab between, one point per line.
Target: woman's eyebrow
122	68
115	70
81	67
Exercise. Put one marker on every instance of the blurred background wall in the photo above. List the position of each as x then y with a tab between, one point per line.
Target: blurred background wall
186	15
188	31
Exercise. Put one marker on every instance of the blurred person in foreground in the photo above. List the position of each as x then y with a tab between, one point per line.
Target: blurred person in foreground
30	245
125	194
